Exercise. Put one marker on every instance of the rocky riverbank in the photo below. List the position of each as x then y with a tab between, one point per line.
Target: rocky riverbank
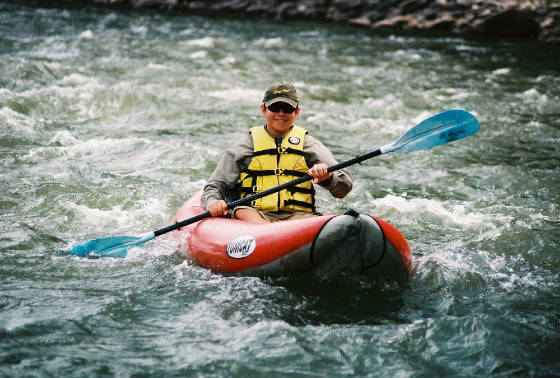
534	19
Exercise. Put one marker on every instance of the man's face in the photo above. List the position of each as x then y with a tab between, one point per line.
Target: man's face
279	122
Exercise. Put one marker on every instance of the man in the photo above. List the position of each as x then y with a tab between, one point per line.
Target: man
271	155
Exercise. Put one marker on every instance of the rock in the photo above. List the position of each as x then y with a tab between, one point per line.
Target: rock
412	6
312	12
198	6
344	10
506	18
287	11
551	27
444	23
262	7
233	5
347	6
373	16
430	14
154	3
399	23
509	23
363	21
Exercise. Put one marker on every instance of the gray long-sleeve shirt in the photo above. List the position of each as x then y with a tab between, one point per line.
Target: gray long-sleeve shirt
226	175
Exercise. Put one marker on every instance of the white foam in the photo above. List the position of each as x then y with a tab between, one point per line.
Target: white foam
250	96
534	124
118	218
207	42
198	55
12	118
320	118
73	148
471	48
228	60
187	32
447	94
269	42
502	71
155	66
164	246
140	29
5	94
102	219
87	34
533	95
406	54
63	137
78	79
422	116
105	145
386	105
55	48
365	123
503	271
457	214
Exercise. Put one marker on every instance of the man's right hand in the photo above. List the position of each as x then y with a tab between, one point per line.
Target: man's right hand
217	208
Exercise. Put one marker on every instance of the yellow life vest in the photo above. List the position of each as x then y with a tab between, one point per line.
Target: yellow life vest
274	165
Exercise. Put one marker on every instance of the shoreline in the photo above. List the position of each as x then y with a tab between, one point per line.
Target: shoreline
513	19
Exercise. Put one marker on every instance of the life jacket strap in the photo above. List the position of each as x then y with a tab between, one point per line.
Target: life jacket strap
273	172
297	189
291	202
278	151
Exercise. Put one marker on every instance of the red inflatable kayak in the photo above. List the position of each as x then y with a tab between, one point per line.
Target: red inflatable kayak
350	243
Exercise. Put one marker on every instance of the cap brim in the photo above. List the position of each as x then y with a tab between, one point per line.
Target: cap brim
281	99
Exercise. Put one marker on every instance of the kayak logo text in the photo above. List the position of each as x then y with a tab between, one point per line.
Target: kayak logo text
241	247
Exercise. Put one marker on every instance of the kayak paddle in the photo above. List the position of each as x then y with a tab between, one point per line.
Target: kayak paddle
439	129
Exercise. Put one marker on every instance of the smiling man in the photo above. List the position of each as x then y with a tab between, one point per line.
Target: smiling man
271	155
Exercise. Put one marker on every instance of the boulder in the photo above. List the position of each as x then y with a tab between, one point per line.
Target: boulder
344	10
443	23
154	3
262	7
232	5
506	18
412	6
398	23
509	23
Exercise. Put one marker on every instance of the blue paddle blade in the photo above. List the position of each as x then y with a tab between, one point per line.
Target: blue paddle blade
114	246
440	129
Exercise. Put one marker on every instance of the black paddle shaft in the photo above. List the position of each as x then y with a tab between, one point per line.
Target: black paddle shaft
248	200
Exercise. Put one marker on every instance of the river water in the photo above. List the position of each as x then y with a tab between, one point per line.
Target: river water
110	119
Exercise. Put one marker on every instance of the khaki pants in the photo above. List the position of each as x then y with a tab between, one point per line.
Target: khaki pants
277	216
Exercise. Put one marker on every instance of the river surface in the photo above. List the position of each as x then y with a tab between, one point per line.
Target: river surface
110	119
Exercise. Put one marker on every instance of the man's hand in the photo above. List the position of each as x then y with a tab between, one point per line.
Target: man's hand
217	208
319	172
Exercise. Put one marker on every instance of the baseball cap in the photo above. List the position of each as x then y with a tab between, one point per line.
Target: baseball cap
281	91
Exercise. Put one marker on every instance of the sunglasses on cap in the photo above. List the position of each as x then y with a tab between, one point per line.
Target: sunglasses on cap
285	107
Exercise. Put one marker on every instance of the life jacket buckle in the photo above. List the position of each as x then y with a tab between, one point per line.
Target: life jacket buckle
255	189
282	149
278	171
